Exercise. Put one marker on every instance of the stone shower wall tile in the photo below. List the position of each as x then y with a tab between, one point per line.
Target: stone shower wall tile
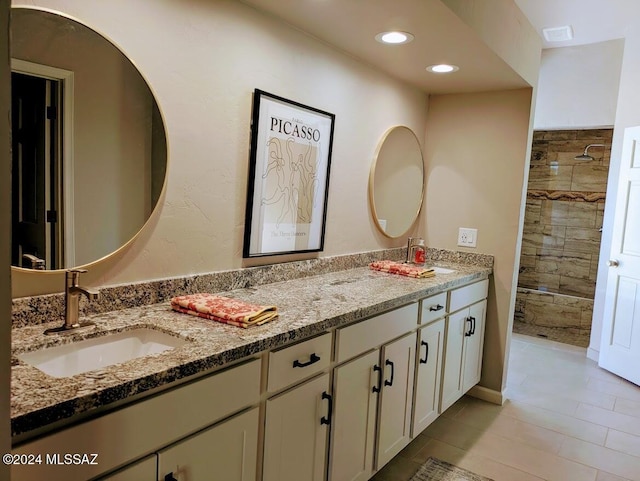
528	257
546	177
561	237
589	178
549	314
568	213
532	211
583	240
554	316
564	264
573	286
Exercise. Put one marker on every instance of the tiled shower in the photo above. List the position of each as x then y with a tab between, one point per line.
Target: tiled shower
561	237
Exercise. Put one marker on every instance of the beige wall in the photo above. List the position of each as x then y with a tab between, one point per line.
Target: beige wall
504	29
203	60
5	245
476	149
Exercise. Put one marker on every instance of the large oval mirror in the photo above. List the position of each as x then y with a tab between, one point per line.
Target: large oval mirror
88	144
396	182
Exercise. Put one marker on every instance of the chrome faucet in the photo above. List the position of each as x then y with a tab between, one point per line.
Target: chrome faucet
408	258
415	244
72	303
34	262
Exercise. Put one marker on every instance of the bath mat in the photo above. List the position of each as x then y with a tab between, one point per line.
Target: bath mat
436	470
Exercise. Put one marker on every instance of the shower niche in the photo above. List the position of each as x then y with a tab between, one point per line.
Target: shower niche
561	236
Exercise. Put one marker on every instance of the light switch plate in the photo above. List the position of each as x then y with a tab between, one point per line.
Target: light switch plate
467	237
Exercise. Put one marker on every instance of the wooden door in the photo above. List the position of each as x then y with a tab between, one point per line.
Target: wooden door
428	368
452	369
296	432
355	386
145	470
396	398
28	109
226	451
474	343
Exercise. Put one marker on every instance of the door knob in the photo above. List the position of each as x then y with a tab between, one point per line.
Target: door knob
614	263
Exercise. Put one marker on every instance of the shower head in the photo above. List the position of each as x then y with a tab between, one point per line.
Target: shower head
585	155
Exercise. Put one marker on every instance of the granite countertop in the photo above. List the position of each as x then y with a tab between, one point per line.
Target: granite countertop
307	306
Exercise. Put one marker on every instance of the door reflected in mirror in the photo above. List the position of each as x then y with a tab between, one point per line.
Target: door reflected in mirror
89	149
396	182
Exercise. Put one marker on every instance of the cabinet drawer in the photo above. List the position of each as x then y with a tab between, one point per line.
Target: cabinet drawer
294	363
362	336
143	427
433	307
467	295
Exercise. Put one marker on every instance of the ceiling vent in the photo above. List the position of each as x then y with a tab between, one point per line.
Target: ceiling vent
558	34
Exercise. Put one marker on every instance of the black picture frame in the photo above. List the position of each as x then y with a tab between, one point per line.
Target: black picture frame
288	184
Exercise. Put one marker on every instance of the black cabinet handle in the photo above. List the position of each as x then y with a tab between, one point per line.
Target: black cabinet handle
389	363
426	352
312	360
468	333
473	326
437	307
377	388
169	477
329	398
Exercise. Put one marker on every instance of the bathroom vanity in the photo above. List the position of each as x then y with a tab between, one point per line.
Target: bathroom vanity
358	363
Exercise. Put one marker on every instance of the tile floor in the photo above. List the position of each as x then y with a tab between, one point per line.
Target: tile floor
566	419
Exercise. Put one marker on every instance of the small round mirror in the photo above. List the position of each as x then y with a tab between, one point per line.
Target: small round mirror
396	182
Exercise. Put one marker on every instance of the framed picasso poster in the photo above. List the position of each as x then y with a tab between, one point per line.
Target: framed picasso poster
288	177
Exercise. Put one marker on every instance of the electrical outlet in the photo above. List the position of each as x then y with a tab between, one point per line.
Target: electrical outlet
467	237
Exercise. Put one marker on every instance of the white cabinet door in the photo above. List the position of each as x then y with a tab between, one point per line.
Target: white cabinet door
427	384
394	413
452	370
473	346
226	451
296	432
355	387
463	352
145	470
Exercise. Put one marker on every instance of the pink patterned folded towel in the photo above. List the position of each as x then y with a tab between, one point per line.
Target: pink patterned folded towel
224	309
402	269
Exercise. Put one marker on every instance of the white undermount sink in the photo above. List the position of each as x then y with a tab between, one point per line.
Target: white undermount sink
442	270
100	352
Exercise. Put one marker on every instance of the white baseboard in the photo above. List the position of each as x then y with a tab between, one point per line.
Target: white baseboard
593	354
489	395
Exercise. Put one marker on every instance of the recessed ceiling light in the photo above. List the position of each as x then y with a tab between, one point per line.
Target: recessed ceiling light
442	68
395	37
558	34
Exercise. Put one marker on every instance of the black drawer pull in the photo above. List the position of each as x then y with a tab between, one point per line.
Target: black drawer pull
437	307
377	388
468	333
473	326
390	382
327	420
426	352
312	360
